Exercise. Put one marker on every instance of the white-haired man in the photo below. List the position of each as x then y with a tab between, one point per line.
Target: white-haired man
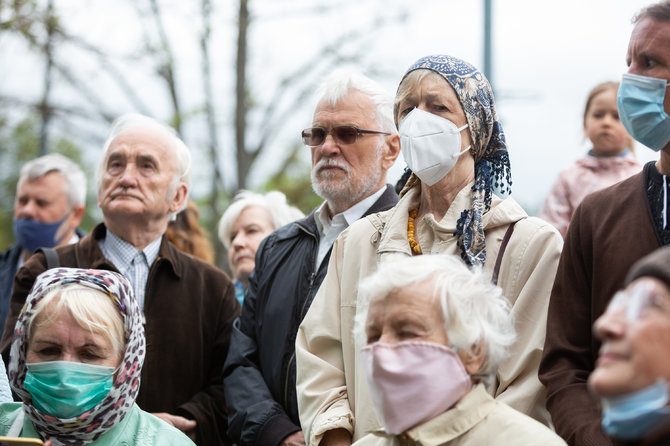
188	305
48	208
353	142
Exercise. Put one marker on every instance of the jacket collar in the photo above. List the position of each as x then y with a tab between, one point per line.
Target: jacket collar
394	235
88	248
386	201
457	421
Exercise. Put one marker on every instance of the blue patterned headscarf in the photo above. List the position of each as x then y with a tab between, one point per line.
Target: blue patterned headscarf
492	168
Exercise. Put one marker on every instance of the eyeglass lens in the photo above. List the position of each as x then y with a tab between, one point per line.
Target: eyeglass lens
343	134
637	301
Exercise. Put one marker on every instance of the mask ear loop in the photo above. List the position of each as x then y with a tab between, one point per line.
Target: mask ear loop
458	155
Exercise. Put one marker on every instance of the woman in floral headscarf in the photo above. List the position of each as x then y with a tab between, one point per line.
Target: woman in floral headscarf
75	363
455	202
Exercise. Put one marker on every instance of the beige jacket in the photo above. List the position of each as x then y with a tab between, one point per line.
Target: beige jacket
476	420
330	380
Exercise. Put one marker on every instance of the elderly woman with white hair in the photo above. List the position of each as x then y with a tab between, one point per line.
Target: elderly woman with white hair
435	333
246	222
455	202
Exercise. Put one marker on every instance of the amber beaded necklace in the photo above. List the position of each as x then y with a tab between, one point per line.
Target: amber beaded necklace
411	233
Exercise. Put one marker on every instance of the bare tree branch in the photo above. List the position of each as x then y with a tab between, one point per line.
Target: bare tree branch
109	68
166	68
45	111
241	100
57	111
216	185
327	58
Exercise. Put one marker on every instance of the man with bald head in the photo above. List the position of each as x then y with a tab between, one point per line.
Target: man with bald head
188	305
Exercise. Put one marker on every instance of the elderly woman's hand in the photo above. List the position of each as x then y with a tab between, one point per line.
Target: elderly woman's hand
183	424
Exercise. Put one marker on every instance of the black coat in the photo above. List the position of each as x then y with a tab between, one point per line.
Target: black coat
259	373
9	261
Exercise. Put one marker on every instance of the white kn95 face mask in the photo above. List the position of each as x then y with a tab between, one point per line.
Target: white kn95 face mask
430	144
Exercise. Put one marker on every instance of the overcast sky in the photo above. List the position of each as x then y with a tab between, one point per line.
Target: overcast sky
547	56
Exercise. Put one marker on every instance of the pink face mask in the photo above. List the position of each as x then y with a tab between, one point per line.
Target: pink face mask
412	382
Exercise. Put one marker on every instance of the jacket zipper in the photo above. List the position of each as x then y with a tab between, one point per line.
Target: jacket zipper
302	312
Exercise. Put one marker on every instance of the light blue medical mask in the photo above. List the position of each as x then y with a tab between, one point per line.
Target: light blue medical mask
66	389
640	103
33	234
637	414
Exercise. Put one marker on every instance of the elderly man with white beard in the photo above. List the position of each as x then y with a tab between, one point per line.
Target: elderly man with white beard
354	142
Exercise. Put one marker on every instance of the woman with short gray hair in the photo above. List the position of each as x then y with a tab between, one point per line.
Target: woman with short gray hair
435	332
246	222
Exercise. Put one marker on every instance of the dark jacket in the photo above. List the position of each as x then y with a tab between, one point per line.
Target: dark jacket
9	261
259	374
189	308
660	438
610	230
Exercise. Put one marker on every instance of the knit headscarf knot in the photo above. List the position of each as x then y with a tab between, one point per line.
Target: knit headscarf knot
492	167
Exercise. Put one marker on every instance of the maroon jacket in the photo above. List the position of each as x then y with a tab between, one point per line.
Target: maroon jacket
189	307
609	231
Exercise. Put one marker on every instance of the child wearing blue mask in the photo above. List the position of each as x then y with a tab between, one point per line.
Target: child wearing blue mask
609	161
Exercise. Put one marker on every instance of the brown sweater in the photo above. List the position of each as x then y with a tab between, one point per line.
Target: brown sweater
189	308
609	231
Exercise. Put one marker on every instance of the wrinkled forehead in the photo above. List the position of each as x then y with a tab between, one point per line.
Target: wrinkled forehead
420	296
143	141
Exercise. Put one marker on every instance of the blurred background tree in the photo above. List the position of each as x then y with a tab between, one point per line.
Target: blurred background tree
20	144
233	116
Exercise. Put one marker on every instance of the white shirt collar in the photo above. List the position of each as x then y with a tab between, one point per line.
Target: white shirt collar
350	215
330	229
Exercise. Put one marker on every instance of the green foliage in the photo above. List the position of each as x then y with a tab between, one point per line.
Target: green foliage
25	18
20	143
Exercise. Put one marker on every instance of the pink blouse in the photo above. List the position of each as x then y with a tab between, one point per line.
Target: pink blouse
586	175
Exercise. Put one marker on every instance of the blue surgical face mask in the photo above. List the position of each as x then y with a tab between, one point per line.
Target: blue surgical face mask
638	414
641	111
33	234
66	389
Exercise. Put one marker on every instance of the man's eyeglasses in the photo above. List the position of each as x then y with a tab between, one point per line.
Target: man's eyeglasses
343	134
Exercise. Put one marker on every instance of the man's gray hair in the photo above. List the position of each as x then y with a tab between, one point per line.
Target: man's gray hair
658	11
475	311
136	120
75	180
341	82
281	213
